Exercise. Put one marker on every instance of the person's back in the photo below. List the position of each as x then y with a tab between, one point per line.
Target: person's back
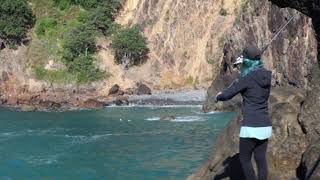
255	98
254	86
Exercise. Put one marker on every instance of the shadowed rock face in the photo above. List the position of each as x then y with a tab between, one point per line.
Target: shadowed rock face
294	103
310	8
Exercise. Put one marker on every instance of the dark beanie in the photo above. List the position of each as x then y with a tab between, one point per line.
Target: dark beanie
252	52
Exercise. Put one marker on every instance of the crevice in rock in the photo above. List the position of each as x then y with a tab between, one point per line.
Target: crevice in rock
302	126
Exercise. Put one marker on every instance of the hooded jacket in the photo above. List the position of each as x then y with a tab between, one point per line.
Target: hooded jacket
255	90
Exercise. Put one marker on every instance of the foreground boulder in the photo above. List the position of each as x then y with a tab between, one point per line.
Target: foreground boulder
143	89
310	164
92	103
121	101
28	108
167	118
114	90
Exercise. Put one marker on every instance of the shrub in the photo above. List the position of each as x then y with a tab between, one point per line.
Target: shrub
80	40
78	50
129	44
83	67
16	19
43	25
87	4
53	76
101	18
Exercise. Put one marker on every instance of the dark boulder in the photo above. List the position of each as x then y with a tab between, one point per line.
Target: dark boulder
5	76
130	91
167	118
143	89
93	103
47	104
114	90
310	164
120	101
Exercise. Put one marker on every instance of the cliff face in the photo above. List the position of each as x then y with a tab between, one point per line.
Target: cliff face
185	40
185	37
294	99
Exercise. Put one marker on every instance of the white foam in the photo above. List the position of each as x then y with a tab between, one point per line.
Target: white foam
179	119
211	112
153	106
188	119
153	119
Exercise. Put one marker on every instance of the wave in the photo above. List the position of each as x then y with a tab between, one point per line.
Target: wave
153	119
211	112
178	119
153	106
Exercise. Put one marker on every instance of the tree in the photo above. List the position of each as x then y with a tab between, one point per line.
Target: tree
130	47
16	19
80	40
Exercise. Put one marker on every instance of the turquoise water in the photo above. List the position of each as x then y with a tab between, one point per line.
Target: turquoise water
118	143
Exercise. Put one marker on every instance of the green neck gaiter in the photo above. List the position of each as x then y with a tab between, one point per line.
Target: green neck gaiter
249	65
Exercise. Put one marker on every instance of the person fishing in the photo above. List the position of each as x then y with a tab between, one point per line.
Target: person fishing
254	84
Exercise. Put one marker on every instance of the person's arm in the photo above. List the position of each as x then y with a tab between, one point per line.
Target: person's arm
237	86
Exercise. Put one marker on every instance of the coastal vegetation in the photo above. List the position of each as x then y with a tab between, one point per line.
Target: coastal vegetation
15	20
129	45
65	32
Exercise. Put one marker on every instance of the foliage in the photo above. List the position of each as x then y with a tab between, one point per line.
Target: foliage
57	76
87	4
101	18
85	70
189	80
45	24
80	40
130	44
78	50
69	30
15	19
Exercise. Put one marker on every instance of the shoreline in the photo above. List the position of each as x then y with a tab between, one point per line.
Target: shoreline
82	101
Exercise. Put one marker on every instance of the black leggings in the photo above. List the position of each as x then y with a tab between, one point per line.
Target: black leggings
259	148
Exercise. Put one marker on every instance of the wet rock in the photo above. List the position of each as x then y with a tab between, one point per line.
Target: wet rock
5	76
143	89
131	91
93	103
28	108
47	104
167	118
114	89
120	93
12	101
120	101
310	164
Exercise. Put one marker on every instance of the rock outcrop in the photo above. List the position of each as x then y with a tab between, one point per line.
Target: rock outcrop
184	37
294	103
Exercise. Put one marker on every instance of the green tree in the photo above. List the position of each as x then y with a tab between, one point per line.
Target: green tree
80	40
16	19
78	50
130	46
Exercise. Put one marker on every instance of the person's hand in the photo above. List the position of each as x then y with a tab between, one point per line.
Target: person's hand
216	100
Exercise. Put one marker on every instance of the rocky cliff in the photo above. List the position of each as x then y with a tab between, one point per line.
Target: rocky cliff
294	101
185	40
185	37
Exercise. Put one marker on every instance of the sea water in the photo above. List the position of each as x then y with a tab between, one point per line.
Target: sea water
116	143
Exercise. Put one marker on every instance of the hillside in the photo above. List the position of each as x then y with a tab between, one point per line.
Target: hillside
185	40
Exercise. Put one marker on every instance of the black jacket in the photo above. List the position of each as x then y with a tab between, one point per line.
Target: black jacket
255	90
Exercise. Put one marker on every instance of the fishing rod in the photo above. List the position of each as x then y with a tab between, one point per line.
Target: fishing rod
239	60
277	34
